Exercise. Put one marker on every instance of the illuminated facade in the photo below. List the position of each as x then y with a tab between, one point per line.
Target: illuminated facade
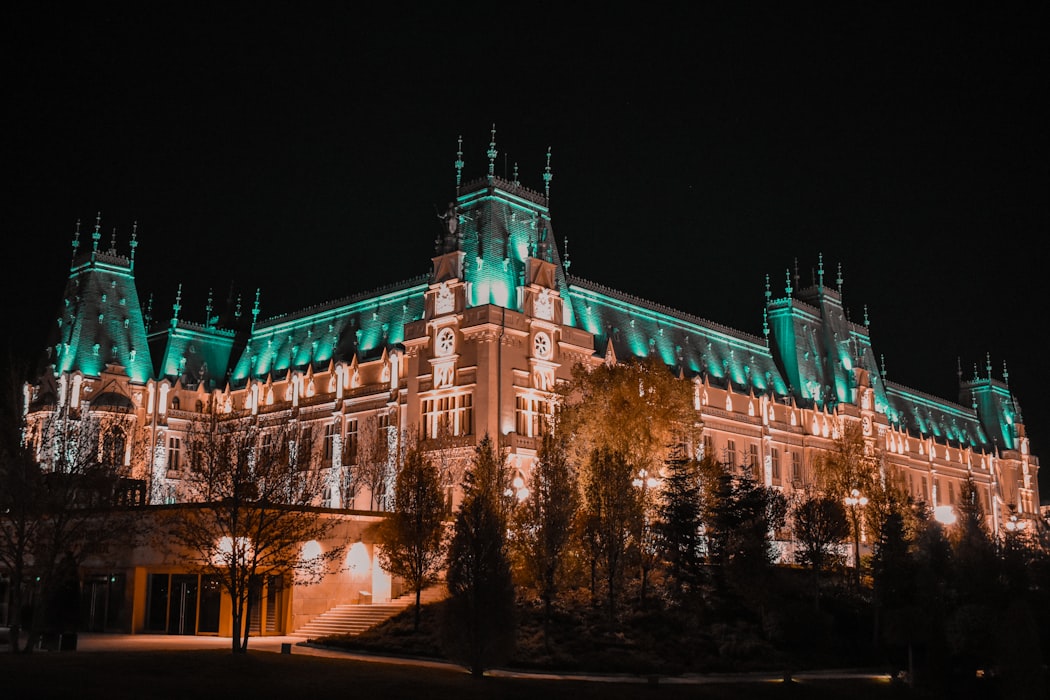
477	346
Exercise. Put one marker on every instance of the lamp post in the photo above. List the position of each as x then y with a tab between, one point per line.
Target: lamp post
644	482
855	500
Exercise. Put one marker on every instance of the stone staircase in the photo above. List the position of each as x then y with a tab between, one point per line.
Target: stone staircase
354	619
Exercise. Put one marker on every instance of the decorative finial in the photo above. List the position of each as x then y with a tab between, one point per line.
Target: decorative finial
516	183
237	309
96	236
866	322
787	288
492	152
838	280
207	310
565	261
547	177
958	368
765	325
459	163
769	294
113	242
255	308
176	307
134	242
76	239
882	361
820	271
988	364
796	273
1006	374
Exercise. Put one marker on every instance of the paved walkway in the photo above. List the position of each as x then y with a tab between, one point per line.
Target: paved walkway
87	642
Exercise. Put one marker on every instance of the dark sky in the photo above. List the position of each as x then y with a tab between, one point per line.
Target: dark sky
305	149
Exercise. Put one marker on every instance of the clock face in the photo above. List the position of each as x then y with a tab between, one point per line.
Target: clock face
541	346
445	342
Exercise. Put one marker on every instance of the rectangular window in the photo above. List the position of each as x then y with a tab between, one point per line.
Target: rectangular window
448	415
796	468
709	446
774	459
533	414
731	453
350	446
752	456
174	453
330	432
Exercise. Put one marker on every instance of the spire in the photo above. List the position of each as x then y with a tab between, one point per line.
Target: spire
1006	375
958	368
882	361
113	242
988	365
765	325
516	183
459	163
134	242
838	280
820	271
207	310
176	307
95	236
492	153
76	239
255	308
768	293
787	288
565	259
866	322
796	274
237	310
547	177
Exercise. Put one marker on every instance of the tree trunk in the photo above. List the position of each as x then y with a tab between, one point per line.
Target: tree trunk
419	593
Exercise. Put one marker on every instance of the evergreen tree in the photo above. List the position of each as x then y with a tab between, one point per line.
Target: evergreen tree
479	626
679	528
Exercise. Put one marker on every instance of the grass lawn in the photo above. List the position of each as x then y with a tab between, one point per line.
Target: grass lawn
221	674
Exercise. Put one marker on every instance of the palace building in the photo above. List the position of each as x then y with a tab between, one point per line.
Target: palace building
476	347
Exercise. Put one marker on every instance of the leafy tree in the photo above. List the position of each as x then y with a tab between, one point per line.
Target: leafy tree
413	534
609	514
249	489
480	615
818	523
637	409
847	470
543	521
56	510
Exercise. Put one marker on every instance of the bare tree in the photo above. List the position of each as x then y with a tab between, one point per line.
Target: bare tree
63	482
413	534
251	489
377	457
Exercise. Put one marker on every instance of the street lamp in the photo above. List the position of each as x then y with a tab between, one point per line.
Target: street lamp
855	500
1015	525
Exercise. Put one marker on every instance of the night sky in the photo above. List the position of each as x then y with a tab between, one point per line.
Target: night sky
306	152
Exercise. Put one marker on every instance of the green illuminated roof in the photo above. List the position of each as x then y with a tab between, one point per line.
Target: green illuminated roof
100	322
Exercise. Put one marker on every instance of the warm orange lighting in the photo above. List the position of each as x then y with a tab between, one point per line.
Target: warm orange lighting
357	560
945	515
